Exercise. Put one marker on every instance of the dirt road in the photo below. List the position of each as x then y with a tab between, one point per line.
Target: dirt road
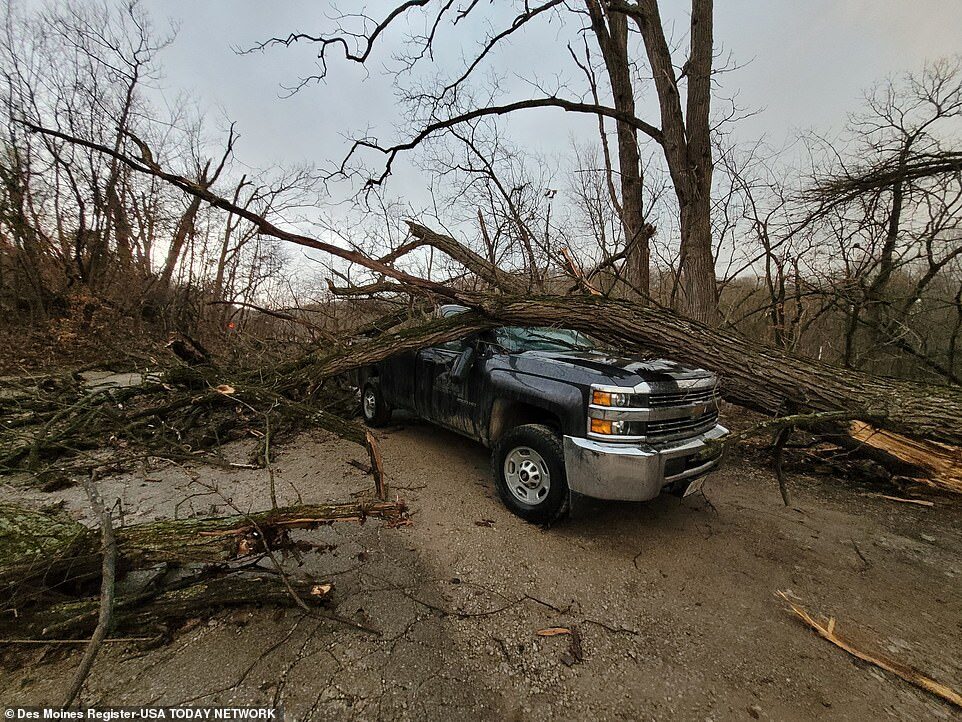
673	599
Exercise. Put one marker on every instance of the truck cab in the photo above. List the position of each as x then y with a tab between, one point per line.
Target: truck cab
560	414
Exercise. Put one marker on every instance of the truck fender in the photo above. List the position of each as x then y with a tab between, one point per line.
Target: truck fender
557	399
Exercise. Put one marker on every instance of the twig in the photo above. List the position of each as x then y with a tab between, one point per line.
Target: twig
108	571
781	438
919	502
267	456
377	466
110	640
910	675
861	556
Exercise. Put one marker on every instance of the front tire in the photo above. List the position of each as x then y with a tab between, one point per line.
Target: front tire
529	472
374	408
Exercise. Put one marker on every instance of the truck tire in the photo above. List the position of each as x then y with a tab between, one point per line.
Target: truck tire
529	472
374	408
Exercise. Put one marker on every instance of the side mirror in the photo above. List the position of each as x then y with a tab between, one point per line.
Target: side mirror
463	363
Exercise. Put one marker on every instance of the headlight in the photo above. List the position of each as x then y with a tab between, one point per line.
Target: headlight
606	398
607	406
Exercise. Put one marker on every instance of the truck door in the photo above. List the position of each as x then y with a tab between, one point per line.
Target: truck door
397	380
439	397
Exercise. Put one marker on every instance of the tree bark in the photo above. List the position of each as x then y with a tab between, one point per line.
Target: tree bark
613	41
686	143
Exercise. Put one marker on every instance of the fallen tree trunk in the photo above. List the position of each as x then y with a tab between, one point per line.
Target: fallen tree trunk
43	552
154	611
758	377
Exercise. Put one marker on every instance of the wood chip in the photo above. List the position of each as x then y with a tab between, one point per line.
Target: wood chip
553	631
909	674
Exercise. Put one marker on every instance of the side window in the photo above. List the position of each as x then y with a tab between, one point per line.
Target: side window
457	345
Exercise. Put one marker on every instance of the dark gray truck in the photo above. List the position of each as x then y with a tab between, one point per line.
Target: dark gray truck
560	415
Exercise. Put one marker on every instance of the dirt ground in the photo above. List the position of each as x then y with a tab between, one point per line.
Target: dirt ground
673	599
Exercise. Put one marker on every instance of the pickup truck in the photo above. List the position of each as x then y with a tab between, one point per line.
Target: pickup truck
561	416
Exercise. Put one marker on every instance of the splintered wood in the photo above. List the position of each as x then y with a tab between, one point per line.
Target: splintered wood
911	675
943	462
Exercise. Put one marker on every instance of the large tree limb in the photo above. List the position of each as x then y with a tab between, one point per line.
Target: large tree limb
569	106
40	550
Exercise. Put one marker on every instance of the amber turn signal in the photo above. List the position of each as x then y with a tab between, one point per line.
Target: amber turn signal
601	398
601	426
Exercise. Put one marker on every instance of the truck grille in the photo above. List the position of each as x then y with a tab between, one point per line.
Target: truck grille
682	427
682	398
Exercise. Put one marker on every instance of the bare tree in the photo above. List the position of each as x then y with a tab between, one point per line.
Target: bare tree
893	201
683	136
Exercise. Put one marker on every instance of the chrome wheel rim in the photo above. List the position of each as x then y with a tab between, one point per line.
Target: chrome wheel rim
527	476
370	403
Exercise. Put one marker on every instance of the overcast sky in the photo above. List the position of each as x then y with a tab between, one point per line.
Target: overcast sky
803	65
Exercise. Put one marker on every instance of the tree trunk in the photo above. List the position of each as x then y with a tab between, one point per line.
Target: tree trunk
686	143
613	41
185	227
698	297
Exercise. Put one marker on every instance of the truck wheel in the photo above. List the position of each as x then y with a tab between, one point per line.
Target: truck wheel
529	471
373	406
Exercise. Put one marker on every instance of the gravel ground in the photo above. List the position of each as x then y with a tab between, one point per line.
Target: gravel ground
673	600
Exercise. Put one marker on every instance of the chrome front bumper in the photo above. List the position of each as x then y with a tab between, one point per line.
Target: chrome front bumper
637	472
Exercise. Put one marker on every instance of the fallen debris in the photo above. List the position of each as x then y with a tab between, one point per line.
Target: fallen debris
905	672
50	565
575	653
108	576
553	631
903	500
942	462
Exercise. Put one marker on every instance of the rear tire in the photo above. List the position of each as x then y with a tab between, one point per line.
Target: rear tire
374	408
529	472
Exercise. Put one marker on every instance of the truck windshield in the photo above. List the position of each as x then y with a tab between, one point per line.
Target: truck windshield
542	338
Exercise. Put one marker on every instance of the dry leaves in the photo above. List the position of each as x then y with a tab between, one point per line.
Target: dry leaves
321	590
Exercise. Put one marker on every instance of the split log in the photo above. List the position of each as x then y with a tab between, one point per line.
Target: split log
941	463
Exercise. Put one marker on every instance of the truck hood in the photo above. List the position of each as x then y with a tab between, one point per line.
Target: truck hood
594	367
